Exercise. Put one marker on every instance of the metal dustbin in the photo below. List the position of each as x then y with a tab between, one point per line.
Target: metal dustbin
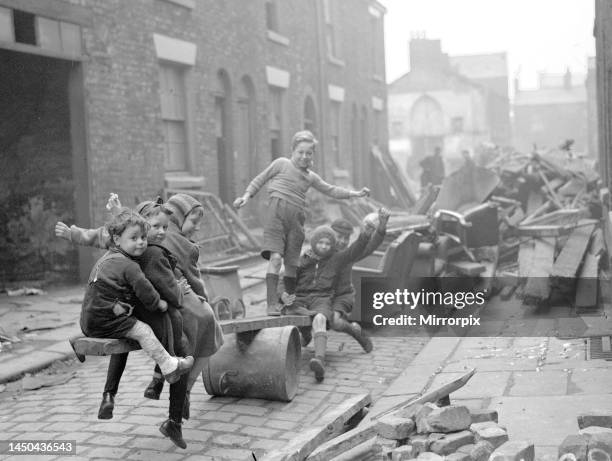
225	294
261	364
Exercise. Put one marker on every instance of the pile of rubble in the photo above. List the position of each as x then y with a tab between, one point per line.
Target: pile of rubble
454	433
593	441
551	243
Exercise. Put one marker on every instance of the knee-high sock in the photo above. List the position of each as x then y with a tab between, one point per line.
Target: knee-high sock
116	365
271	289
198	366
289	283
320	344
142	333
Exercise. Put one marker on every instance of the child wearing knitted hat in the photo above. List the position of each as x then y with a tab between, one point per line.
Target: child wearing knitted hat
316	274
201	327
288	181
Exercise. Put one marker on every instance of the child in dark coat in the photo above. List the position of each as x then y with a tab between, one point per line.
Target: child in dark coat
343	300
116	284
288	181
158	265
316	275
199	323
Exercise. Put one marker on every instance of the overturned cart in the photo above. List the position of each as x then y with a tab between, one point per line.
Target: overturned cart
259	359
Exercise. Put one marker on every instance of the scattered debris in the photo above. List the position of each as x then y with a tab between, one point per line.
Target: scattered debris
30	383
25	291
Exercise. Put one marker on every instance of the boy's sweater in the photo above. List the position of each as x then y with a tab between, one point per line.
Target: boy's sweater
288	182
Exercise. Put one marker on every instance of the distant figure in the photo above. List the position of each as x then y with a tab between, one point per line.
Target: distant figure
433	169
468	162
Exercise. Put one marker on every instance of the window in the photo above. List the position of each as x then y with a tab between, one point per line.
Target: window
457	124
335	132
275	116
174	116
6	25
331	32
271	15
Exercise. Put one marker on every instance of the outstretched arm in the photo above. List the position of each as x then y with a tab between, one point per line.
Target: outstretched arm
336	191
98	238
378	235
257	183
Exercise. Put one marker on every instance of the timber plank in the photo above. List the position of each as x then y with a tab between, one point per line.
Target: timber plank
588	282
568	262
538	283
331	424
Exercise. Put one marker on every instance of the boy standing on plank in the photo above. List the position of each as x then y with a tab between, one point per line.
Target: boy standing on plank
288	181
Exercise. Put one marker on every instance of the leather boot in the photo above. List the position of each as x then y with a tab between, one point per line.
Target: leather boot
154	388
186	404
361	337
172	430
106	406
317	364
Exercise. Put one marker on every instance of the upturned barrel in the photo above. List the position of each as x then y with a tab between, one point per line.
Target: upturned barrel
260	364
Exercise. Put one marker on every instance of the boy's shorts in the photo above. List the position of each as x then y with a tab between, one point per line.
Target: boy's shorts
318	304
343	304
283	231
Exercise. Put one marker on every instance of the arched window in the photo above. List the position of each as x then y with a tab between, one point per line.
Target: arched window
426	117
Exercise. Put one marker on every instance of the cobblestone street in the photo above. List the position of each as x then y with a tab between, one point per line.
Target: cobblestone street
219	428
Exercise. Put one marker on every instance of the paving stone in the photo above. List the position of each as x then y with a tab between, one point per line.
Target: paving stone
479	415
150	455
421	417
466	448
402	453
280	424
450	442
601	419
457	457
575	444
224	427
218	416
259	431
595	430
231	440
195	435
514	450
489	431
33	426
481	451
449	419
108	453
420	443
159	443
248	410
266	444
429	456
78	436
599	441
248	420
230	454
393	427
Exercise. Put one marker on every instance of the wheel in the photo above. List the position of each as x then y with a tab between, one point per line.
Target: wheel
222	308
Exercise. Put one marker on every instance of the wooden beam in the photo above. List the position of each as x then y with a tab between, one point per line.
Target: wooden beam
259	323
538	284
468	268
343	443
330	425
588	282
568	262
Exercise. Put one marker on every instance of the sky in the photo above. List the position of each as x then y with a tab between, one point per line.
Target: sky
538	35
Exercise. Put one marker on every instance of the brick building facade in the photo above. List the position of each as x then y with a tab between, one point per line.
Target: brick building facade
183	93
